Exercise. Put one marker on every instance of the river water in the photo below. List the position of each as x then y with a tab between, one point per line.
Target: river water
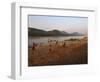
44	40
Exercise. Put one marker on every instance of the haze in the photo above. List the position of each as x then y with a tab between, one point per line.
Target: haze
62	23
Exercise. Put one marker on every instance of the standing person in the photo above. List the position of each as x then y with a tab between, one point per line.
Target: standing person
33	46
64	44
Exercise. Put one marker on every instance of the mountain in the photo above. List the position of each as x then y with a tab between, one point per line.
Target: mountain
63	32
54	32
39	32
36	32
76	34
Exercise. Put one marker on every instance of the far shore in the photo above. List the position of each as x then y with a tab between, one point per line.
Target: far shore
57	36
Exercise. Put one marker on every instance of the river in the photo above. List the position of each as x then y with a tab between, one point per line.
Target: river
44	40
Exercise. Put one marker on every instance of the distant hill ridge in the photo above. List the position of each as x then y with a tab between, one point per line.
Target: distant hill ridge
39	32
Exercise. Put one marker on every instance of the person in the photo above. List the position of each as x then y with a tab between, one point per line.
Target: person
64	44
56	42
33	46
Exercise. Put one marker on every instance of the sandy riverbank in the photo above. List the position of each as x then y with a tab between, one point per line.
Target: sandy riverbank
74	52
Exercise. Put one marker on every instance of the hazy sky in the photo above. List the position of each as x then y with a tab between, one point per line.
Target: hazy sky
68	24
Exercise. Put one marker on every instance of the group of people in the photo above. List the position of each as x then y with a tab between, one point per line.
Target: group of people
50	42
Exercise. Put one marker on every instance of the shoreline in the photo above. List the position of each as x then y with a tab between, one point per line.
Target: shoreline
45	40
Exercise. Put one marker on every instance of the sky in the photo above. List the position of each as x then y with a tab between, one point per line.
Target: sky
62	23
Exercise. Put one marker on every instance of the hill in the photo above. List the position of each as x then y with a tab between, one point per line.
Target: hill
39	32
